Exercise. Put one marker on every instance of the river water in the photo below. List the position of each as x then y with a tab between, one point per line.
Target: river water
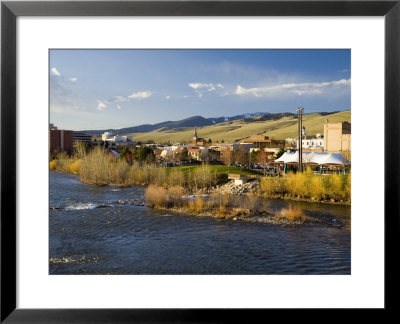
104	230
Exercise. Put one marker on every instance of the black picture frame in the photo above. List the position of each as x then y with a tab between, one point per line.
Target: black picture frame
10	10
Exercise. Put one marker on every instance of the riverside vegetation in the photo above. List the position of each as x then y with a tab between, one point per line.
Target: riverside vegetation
173	188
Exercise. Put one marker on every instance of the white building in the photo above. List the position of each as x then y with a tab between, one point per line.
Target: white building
312	143
109	137
106	135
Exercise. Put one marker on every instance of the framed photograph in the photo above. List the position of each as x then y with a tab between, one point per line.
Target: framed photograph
164	158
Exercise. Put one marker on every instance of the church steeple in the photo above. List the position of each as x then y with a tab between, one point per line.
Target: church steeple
195	135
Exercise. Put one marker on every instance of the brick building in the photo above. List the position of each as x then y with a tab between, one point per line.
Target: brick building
60	141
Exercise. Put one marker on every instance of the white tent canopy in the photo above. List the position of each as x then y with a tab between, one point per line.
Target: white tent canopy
313	157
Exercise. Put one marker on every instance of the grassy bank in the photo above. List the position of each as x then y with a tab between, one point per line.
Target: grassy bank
99	168
308	186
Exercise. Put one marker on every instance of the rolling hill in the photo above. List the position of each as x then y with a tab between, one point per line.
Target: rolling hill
195	121
276	126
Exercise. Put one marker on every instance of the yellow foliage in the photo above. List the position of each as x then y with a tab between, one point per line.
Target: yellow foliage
53	164
316	188
291	214
156	196
74	167
199	204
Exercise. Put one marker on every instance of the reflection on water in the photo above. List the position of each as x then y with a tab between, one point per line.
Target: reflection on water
107	230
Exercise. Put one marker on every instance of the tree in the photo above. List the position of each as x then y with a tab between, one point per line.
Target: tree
241	157
127	155
280	152
184	155
253	156
144	153
227	157
262	158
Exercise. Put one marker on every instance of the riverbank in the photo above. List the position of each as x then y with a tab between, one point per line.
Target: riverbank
99	169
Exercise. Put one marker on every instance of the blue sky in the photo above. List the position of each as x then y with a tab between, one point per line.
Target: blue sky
99	89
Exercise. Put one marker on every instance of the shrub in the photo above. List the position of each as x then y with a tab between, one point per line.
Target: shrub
96	167
336	187
272	186
156	196
250	203
316	188
199	204
175	195
296	184
74	167
53	165
120	173
159	176
176	178
347	188
291	214
203	177
63	162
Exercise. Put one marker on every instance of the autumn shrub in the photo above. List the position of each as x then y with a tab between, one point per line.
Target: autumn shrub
272	186
347	188
176	178
316	188
175	195
53	165
120	171
156	196
203	177
336	187
159	176
96	167
291	214
75	166
199	204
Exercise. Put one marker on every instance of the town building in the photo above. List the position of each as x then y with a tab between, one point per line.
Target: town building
195	153
261	141
197	141
313	143
60	140
225	146
110	137
337	138
78	136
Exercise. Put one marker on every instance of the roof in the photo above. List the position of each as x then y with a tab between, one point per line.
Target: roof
193	150
314	157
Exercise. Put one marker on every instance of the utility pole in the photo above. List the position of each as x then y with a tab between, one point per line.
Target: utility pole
300	137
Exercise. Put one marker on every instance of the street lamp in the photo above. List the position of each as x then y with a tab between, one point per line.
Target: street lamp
300	137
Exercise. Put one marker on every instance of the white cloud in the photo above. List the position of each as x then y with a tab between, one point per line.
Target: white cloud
73	80
199	85
117	99
140	95
167	97
118	107
201	88
55	72
308	88
100	105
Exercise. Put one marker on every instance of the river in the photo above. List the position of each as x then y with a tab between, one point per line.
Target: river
105	230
